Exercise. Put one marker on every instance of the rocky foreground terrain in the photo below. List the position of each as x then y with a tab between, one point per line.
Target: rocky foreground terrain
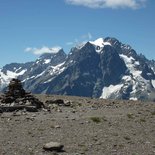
84	126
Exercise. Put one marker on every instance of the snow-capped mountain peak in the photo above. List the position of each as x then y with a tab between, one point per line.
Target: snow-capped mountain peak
55	49
11	71
99	44
103	68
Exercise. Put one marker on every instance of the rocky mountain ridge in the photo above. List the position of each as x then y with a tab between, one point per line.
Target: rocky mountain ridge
104	68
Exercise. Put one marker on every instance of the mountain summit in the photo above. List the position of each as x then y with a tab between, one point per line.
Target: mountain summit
104	68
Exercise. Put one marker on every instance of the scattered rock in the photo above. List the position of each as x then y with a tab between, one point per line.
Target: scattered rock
57	126
16	98
59	102
53	146
67	103
73	111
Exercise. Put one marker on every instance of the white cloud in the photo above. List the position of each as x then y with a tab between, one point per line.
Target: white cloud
87	36
70	43
134	4
82	39
44	49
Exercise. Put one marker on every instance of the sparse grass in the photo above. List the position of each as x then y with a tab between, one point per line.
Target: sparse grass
153	113
127	138
115	134
85	149
104	119
142	120
130	115
32	153
52	126
121	146
96	119
40	130
79	104
81	145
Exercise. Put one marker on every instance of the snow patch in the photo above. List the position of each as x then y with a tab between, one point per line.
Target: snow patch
57	69
48	80
5	78
126	78
39	74
153	83
131	64
112	89
127	47
134	81
10	74
47	61
37	61
133	98
99	44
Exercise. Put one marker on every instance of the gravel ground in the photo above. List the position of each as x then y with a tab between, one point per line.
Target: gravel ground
87	127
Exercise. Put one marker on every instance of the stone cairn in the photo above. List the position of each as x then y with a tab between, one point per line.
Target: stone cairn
16	98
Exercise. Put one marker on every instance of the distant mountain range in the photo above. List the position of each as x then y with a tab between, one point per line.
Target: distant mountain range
104	68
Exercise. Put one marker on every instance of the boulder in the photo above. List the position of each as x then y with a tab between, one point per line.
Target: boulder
53	146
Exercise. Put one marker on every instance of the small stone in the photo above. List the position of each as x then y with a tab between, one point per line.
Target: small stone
12	104
16	113
73	119
33	115
73	111
59	110
57	126
28	103
53	146
67	103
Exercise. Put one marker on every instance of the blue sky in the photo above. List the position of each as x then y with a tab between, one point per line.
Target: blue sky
37	24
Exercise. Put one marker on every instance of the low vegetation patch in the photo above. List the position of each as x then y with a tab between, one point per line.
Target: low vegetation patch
96	119
153	113
142	120
130	115
127	138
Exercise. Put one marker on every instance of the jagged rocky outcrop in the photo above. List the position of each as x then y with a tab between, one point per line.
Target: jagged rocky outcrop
104	68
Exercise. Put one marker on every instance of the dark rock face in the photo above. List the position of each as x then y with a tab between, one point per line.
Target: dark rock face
78	78
112	66
122	48
90	72
147	72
